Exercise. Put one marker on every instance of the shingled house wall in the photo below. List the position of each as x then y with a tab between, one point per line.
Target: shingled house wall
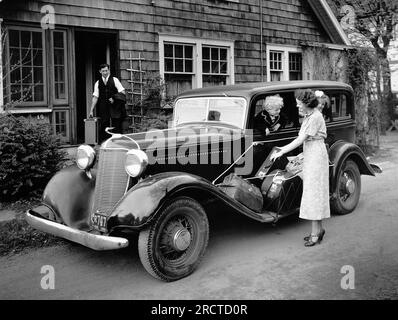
138	25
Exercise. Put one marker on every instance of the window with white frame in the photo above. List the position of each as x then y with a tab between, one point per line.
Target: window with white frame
284	63
187	63
60	123
25	66
59	58
214	66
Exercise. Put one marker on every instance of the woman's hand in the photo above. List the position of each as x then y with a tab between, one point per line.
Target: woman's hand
276	154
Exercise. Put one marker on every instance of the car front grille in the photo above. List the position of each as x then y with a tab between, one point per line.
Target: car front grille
111	180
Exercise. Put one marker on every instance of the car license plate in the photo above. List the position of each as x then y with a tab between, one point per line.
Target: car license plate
99	221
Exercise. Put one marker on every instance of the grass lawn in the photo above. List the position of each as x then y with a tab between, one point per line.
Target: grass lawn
17	235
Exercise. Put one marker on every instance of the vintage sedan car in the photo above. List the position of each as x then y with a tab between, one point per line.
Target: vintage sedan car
158	183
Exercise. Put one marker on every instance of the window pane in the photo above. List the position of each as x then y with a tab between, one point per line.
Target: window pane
26	75
206	53
214	67
276	76
58	39
177	83
26	57
223	67
25	52
179	65
59	74
38	75
178	51
38	58
39	92
15	92
180	60
168	50
188	51
13	38
15	75
27	93
14	57
169	65
188	65
36	36
25	39
58	56
223	54
206	66
59	91
214	53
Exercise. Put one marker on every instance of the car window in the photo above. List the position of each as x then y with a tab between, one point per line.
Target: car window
229	110
288	112
340	107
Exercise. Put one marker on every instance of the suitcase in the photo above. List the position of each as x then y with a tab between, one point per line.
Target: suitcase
281	191
91	130
242	191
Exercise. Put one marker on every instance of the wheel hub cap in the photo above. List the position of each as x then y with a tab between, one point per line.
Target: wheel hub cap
181	239
350	186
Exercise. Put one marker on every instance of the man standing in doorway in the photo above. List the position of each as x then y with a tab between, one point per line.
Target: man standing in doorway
107	94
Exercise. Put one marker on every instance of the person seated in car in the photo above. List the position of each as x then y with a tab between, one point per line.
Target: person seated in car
324	105
270	119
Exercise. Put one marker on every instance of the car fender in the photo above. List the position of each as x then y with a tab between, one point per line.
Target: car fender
143	202
69	194
341	151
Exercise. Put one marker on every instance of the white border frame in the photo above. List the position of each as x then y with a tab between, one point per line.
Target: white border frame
55	100
285	49
197	43
27	104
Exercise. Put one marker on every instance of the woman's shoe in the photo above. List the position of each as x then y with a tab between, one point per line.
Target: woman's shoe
311	242
321	234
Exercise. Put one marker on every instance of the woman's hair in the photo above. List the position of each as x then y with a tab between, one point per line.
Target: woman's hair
271	102
307	96
324	102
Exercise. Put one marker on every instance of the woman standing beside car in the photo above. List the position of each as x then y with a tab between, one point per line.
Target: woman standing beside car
315	199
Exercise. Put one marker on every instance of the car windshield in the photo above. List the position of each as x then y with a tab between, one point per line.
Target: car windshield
228	110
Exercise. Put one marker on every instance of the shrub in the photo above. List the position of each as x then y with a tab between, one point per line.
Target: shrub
29	155
154	121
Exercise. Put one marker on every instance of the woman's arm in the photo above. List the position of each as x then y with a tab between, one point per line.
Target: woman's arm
289	147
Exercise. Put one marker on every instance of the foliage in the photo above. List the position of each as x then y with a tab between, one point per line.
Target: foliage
154	97
30	155
155	121
373	24
324	64
361	66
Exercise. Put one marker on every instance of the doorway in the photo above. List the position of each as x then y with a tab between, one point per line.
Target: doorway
91	50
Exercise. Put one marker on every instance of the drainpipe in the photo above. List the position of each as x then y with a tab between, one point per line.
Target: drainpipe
261	40
1	67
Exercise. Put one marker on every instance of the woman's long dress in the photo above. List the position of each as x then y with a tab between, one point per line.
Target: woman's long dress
315	199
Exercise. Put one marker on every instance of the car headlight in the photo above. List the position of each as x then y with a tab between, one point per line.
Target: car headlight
85	157
136	162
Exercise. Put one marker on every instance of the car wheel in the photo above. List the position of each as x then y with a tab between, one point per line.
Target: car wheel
173	245
348	189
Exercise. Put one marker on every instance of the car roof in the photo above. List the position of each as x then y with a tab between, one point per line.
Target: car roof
248	90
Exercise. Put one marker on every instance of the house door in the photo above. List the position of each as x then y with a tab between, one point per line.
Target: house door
91	50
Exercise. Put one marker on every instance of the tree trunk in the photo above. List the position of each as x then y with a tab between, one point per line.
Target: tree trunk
386	92
361	116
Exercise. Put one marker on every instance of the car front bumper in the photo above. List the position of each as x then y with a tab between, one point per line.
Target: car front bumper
93	241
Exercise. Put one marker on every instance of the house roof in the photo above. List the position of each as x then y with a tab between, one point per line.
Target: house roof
329	21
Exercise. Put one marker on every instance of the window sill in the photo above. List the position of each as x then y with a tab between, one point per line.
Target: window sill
30	110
